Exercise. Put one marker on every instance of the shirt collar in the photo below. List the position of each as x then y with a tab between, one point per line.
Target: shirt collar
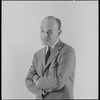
52	46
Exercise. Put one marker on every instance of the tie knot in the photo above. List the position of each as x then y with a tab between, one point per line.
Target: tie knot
49	47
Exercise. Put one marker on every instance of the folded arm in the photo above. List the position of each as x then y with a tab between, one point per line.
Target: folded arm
31	79
59	73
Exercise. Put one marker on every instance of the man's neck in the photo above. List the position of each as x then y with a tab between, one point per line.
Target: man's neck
52	46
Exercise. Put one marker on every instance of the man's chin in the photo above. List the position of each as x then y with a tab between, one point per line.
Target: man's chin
46	44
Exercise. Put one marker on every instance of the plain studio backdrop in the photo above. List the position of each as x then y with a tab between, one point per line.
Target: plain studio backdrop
21	39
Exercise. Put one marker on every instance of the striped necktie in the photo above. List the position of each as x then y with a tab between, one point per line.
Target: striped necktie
47	55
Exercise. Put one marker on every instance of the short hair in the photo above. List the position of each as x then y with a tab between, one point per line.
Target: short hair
56	19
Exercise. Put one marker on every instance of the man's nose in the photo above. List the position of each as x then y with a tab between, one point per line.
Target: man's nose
45	35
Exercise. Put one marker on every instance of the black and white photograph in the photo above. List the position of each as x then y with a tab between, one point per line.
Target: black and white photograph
49	49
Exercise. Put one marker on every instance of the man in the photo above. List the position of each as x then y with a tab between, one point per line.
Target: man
51	75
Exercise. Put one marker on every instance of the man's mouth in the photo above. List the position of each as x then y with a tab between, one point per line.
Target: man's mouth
45	40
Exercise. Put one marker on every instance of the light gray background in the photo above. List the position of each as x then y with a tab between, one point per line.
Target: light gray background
20	40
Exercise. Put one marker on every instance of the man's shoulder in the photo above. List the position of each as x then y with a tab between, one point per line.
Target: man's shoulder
67	48
40	51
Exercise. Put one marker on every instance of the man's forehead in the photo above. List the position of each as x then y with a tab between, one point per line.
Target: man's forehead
48	22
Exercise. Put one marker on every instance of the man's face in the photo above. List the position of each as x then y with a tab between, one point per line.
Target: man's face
49	32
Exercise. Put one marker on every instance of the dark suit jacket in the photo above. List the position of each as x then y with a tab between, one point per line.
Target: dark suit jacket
57	75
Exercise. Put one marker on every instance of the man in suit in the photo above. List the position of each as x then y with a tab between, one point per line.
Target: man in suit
51	75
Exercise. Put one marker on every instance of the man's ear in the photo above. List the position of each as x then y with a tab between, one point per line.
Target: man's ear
60	31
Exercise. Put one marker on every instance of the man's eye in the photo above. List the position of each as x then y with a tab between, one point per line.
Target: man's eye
50	32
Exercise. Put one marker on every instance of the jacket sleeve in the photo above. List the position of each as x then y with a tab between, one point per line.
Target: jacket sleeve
31	86
59	73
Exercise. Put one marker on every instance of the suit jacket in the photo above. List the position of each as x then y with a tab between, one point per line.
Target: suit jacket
57	75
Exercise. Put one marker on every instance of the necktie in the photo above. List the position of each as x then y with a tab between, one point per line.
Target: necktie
47	55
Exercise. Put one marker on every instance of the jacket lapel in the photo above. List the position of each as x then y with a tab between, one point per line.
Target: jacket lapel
54	52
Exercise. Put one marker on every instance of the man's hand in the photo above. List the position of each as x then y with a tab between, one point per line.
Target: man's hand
36	81
45	92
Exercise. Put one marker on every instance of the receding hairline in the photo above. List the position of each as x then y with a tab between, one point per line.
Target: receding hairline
58	21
